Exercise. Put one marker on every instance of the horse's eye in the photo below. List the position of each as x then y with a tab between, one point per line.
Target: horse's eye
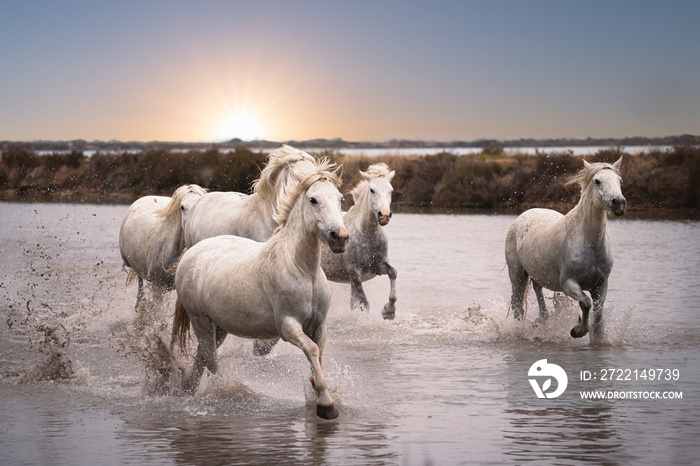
597	182
371	190
313	201
182	207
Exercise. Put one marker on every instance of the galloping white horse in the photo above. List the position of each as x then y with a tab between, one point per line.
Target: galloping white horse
249	216
366	255
228	284
151	237
569	253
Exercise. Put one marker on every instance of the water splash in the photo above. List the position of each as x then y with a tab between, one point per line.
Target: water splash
49	334
564	313
147	338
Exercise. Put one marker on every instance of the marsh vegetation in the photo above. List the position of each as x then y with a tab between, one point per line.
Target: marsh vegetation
661	181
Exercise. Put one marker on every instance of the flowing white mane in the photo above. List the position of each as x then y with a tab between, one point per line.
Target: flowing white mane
289	197
279	159
376	170
584	176
173	207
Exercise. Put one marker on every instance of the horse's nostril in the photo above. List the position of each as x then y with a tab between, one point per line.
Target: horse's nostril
334	235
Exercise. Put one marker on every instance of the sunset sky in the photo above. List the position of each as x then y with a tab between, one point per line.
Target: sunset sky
359	70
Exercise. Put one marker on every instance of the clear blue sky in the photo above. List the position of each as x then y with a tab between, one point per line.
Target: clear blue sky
360	70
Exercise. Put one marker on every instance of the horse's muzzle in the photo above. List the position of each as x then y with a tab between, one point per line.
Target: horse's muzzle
383	217
338	240
618	206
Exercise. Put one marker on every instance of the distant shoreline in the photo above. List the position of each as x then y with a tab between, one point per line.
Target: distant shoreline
339	144
657	184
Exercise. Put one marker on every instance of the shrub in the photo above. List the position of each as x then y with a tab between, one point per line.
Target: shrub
19	157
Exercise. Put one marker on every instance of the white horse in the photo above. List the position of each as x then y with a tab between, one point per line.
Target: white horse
248	216
151	238
366	255
228	284
569	253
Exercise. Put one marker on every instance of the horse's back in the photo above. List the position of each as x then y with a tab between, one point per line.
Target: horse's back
227	213
533	221
140	236
533	243
220	277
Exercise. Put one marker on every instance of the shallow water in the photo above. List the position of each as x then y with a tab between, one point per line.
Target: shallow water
444	383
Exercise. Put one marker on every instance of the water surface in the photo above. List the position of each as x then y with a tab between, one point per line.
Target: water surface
444	383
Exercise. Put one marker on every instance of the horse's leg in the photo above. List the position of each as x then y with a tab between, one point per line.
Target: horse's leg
389	311
263	347
358	299
573	290
220	336
598	294
518	283
207	342
540	302
292	332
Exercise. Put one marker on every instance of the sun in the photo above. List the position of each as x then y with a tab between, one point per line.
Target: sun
240	125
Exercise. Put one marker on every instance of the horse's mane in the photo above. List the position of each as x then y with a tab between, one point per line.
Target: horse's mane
584	176
373	171
265	186
289	197
173	207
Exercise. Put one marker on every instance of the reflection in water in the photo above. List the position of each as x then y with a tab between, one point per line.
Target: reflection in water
573	433
288	438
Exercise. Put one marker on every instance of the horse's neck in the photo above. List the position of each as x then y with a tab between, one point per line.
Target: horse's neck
360	215
590	220
301	247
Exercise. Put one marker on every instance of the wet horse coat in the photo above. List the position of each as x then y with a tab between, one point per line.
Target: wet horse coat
569	253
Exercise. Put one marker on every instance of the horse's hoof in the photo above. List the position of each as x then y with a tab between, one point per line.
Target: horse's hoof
577	334
327	412
389	312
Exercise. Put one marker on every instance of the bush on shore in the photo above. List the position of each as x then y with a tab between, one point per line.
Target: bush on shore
659	180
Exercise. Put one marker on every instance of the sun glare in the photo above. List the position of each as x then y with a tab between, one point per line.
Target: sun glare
241	126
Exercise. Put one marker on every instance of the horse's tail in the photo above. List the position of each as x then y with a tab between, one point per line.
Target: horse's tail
173	267
131	274
181	327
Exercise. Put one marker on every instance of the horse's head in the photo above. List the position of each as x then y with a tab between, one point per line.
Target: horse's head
378	189
181	202
186	204
605	181
322	207
317	200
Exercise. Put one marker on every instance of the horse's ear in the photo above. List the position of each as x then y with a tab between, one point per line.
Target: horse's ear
618	165
338	171
586	165
391	174
365	176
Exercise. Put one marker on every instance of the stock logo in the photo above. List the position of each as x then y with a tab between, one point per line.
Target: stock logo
541	369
